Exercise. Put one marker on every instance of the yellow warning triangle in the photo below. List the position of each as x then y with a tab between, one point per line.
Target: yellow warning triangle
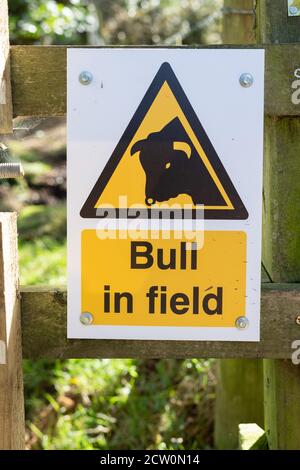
165	160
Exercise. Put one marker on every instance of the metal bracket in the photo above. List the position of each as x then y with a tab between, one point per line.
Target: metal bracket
9	169
293	7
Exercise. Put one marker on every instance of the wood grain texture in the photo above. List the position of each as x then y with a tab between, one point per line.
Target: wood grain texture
5	86
12	427
281	209
39	80
44	329
239	399
282	404
274	24
238	25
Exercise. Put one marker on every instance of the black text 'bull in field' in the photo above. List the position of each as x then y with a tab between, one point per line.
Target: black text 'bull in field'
173	167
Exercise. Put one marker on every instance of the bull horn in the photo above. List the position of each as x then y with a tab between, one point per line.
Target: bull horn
184	147
137	147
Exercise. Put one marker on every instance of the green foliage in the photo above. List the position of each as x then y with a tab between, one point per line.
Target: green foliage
159	22
40	221
115	22
49	21
42	244
119	404
43	261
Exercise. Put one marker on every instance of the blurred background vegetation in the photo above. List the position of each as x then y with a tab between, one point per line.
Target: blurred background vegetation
115	22
101	404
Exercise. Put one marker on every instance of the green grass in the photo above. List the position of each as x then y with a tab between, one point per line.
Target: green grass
38	221
42	261
42	245
119	404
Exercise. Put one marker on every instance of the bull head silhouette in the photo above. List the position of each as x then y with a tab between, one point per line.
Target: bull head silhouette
163	160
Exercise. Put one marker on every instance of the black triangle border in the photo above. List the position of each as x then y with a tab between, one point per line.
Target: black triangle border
165	73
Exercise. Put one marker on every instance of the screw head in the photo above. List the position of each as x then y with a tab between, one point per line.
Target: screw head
298	320
246	80
85	77
242	323
293	10
86	318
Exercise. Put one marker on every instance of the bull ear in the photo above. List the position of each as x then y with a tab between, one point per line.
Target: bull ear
184	147
137	147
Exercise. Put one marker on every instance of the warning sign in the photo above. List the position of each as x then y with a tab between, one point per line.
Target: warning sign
171	157
164	193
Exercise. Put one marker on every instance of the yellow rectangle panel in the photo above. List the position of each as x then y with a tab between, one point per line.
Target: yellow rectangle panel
164	282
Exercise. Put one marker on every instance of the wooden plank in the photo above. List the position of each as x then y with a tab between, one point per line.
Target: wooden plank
281	209
12	427
39	80
281	251
282	63
5	87
44	319
239	399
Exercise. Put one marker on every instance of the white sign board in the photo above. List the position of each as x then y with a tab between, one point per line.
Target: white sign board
165	193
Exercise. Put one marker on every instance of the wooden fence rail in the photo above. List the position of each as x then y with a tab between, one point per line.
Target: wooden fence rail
38	75
44	318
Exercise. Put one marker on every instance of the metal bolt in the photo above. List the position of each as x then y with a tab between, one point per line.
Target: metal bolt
11	170
85	77
298	320
246	80
242	323
86	318
293	10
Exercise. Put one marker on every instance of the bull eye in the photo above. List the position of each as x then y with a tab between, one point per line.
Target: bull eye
168	165
150	201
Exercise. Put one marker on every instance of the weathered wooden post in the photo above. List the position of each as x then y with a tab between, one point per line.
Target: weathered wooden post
281	253
239	399
239	396
12	427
